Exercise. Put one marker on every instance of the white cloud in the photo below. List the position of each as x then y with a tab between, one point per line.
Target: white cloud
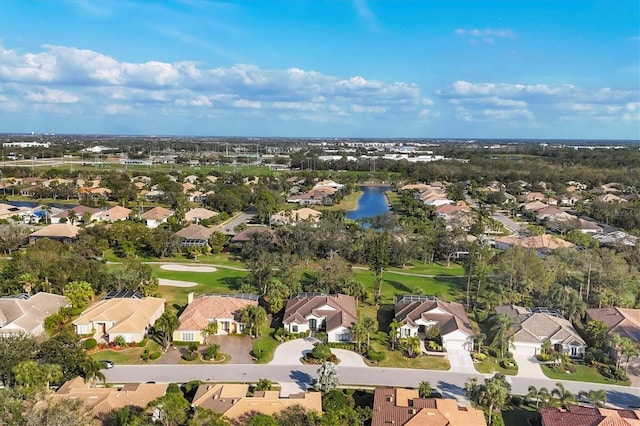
508	101
366	14
51	96
487	35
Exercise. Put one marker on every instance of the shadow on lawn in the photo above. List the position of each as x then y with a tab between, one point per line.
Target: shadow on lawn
233	283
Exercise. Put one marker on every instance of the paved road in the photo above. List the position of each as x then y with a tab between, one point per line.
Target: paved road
508	223
227	227
451	384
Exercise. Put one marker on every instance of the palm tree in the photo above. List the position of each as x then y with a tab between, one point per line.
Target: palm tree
358	333
425	390
472	389
536	394
166	325
369	325
502	328
211	329
598	398
564	395
393	333
92	372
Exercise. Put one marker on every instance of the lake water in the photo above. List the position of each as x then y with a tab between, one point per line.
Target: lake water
372	203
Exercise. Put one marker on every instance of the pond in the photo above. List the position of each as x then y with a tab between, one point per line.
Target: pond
372	203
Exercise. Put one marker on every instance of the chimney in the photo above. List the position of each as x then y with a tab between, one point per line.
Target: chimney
190	298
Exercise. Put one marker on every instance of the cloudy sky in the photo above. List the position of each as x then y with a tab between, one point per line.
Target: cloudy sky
335	68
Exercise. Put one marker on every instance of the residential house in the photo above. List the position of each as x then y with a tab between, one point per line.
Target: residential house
224	309
304	214
197	214
103	400
616	238
534	206
113	214
456	215
75	214
313	197
195	235
540	324
123	314
7	211
589	227
232	402
532	196
25	314
622	321
156	216
418	313
246	235
398	407
328	184
579	415
63	232
334	314
542	244
610	198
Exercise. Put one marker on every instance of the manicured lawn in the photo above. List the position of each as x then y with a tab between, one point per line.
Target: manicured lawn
126	356
492	365
519	416
583	374
417	267
448	288
265	343
395	358
222	259
350	202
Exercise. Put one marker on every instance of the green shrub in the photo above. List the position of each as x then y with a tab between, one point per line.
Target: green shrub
478	356
155	355
193	346
120	341
192	356
90	343
281	335
321	351
145	355
508	363
173	388
376	356
342	345
544	357
211	352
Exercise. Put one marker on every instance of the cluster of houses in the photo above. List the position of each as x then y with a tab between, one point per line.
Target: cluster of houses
322	193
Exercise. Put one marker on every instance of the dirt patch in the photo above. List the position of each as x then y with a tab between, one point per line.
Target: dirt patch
187	268
175	283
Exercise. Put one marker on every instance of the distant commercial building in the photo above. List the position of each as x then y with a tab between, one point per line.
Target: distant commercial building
26	144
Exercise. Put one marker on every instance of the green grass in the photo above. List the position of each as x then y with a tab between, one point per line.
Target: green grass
350	202
447	288
221	281
266	343
395	359
583	374
418	267
518	416
492	365
126	356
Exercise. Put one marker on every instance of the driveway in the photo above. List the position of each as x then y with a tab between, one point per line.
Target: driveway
528	366
289	353
239	347
461	361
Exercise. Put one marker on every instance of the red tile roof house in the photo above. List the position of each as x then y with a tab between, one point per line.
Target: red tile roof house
622	321
309	198
577	415
221	308
417	313
403	407
334	313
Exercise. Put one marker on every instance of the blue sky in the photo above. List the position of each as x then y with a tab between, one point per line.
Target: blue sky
322	68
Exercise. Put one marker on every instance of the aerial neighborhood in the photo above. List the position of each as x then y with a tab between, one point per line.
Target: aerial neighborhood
307	282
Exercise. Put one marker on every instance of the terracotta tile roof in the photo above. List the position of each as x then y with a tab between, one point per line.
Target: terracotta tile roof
339	309
57	230
113	214
78	210
403	407
232	401
576	415
198	214
245	235
157	213
103	400
205	308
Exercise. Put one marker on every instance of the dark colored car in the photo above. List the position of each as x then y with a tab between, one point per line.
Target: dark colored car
106	364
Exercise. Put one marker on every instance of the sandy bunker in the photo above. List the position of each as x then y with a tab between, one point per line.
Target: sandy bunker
187	268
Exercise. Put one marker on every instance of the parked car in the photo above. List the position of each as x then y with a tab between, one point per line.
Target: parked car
106	363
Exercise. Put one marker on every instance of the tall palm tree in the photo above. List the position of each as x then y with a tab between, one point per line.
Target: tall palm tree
502	328
92	373
369	325
472	389
211	329
598	398
537	394
166	325
564	395
393	333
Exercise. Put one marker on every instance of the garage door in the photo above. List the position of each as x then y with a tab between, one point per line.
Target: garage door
524	350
